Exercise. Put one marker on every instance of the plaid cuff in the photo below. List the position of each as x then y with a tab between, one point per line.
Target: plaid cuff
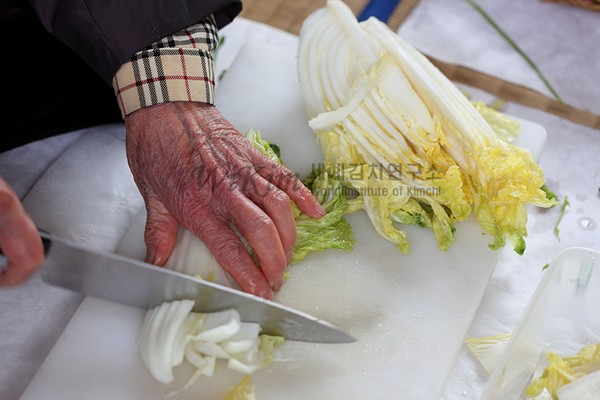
176	68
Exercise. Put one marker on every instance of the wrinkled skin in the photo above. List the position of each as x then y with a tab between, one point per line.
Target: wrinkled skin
19	239
193	168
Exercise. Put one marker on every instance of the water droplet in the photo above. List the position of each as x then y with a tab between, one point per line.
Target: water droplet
587	223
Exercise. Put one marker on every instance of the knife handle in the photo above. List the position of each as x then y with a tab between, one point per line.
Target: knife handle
380	9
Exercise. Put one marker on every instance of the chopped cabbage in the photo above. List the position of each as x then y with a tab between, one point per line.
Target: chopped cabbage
488	349
242	391
312	235
562	371
377	104
172	333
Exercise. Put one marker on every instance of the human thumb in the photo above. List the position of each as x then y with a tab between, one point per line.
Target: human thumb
160	234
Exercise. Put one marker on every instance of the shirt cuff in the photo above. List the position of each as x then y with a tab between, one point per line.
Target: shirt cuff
179	67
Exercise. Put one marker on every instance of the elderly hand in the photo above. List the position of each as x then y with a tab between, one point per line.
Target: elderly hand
19	239
193	168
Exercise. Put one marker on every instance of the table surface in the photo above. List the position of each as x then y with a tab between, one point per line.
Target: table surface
562	41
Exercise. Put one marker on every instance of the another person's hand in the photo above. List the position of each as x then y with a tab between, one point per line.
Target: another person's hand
19	239
193	168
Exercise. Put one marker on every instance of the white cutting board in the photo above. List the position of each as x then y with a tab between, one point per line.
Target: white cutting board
409	313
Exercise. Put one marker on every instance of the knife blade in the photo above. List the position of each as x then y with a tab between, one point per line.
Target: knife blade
128	281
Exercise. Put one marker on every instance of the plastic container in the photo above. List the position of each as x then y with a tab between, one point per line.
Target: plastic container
562	317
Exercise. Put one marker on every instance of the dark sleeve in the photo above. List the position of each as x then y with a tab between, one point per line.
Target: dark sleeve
105	33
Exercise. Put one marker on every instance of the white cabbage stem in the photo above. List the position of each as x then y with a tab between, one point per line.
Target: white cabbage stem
172	333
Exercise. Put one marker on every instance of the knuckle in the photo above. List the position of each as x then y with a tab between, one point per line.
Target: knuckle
280	205
280	200
288	181
229	251
225	201
260	224
155	233
222	188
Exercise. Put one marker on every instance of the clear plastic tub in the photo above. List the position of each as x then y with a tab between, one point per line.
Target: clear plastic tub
562	317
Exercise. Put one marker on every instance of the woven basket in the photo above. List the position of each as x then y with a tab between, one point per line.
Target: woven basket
593	5
289	15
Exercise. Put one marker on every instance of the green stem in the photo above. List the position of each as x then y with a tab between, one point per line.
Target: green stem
563	210
539	73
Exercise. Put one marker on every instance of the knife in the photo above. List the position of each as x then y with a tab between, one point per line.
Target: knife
128	281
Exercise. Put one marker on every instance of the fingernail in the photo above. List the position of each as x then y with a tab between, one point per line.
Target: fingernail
268	294
150	256
277	283
320	210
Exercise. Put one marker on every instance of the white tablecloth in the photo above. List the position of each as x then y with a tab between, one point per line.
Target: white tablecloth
562	41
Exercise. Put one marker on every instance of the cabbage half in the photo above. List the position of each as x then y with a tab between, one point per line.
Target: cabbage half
378	105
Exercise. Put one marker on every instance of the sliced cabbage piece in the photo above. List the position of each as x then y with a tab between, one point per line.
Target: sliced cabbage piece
488	350
172	333
242	391
561	371
243	339
159	336
218	326
543	395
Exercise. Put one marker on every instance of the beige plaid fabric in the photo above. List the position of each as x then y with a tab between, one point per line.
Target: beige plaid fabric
176	68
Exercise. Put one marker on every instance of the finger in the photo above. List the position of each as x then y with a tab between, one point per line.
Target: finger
231	254
288	182
160	234
19	239
260	232
277	205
